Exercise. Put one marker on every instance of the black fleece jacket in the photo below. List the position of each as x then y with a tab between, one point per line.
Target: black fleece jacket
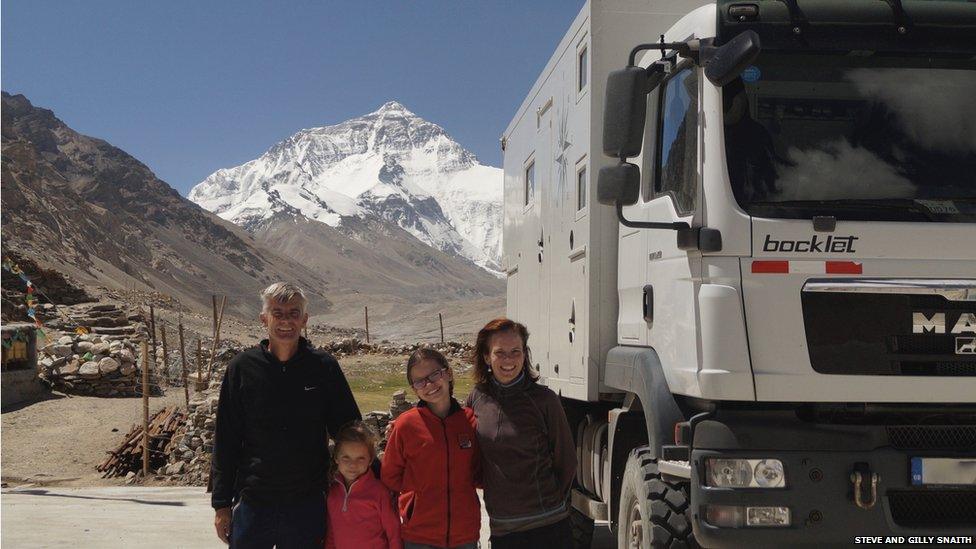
273	424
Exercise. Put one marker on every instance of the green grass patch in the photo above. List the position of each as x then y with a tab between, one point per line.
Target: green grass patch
374	379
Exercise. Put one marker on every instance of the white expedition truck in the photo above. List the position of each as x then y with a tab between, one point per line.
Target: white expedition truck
770	340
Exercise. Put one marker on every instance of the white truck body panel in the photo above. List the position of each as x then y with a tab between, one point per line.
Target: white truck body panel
702	305
568	300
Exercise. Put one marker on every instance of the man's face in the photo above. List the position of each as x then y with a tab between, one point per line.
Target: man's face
284	321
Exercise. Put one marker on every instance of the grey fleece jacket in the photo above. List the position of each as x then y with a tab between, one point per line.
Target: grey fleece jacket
528	455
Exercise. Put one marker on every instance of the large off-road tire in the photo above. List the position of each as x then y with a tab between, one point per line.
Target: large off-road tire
654	513
582	529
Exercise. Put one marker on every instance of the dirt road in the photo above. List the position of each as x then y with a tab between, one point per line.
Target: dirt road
62	439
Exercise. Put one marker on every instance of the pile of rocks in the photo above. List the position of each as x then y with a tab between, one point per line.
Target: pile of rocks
399	404
454	350
91	364
190	460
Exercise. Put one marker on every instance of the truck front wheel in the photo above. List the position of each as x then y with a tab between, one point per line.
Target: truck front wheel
654	512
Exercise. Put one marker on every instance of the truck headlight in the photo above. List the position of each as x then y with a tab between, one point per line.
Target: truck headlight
744	473
769	474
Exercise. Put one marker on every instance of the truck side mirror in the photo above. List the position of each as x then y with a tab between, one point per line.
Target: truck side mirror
729	60
618	184
624	111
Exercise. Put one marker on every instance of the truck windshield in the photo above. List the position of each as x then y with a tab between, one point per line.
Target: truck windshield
859	136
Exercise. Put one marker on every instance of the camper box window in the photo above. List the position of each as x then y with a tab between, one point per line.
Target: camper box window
529	182
581	187
581	58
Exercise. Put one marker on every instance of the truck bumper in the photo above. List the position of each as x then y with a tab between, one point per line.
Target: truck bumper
818	461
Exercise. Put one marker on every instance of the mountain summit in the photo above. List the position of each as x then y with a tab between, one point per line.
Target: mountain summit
389	165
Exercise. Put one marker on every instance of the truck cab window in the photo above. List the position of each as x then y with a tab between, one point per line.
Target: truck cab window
677	158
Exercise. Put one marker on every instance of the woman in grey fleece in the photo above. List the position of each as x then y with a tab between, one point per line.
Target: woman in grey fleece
528	454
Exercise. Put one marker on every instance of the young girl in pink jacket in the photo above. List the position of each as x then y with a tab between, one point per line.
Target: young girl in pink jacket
361	513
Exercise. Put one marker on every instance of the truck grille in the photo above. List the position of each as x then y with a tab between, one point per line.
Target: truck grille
873	334
936	368
932	437
933	508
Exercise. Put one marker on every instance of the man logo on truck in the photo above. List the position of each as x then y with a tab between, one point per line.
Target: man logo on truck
936	324
831	244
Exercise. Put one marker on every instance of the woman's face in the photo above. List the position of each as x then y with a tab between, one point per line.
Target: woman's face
433	392
506	356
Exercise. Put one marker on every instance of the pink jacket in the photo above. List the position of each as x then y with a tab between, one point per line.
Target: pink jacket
362	517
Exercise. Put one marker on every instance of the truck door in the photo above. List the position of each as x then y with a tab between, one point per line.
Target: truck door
660	305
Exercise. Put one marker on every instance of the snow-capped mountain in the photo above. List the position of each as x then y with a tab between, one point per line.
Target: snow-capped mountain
390	164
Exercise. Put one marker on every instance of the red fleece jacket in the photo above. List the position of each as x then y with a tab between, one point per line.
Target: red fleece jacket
435	464
363	516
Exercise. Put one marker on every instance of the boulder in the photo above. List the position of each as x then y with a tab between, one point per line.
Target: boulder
126	355
89	370
70	367
128	369
61	350
101	348
83	346
65	340
108	365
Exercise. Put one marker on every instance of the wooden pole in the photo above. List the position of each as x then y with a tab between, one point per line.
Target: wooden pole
199	360
186	386
440	318
145	409
162	333
367	324
213	350
213	297
152	333
220	318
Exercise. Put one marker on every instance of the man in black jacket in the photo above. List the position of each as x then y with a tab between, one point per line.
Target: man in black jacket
279	402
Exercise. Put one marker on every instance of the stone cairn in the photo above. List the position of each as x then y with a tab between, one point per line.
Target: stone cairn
102	363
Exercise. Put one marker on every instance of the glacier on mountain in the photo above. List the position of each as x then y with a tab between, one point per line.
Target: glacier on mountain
389	164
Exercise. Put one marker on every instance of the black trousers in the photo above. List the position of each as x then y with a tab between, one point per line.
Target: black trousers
296	525
558	535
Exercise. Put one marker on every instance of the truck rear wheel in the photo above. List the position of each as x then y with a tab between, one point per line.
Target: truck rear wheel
654	513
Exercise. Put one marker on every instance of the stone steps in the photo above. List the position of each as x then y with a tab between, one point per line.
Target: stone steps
115	330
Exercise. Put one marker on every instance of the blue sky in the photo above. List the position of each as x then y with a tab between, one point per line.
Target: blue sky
191	87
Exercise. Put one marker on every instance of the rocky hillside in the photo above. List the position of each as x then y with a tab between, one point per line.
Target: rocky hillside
86	208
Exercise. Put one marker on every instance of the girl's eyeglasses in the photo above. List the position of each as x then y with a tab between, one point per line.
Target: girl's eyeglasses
432	378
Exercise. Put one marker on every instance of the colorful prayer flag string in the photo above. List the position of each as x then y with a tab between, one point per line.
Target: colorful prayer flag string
30	299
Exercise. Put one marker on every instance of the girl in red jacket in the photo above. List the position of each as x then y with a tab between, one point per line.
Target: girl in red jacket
432	459
360	509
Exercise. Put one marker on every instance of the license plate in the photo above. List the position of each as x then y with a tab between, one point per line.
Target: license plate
942	471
